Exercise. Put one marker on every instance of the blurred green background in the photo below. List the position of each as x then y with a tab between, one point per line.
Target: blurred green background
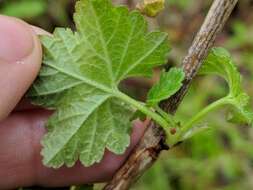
219	159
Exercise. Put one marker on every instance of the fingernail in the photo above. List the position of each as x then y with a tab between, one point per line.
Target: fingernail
16	40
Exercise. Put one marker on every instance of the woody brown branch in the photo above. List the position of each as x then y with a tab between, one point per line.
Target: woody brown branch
153	141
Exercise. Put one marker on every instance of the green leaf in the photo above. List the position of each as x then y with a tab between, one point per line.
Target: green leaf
241	113
170	82
220	62
80	76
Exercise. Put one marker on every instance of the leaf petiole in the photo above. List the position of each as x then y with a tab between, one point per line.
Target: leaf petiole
166	116
199	116
140	106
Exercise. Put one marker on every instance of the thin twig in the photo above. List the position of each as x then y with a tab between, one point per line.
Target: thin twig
153	141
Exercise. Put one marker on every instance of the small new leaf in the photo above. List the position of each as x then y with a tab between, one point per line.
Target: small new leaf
220	62
79	79
170	82
151	8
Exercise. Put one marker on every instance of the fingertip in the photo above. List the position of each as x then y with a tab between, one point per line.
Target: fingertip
21	164
16	39
20	61
40	31
138	129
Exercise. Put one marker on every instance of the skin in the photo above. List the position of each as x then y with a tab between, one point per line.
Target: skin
22	125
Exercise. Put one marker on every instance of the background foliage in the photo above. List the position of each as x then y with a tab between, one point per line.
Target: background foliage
220	159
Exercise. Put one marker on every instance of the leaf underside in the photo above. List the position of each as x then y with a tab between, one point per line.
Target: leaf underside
79	79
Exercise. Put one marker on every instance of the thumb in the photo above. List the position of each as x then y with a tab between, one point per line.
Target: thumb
20	60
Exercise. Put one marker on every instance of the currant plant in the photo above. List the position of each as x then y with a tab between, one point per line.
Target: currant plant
80	78
81	73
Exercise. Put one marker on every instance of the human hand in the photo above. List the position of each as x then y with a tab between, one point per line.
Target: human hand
22	125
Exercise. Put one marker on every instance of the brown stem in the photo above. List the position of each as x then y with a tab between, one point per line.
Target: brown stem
152	143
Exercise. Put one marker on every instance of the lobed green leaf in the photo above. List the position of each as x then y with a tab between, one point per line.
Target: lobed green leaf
79	79
170	82
220	62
